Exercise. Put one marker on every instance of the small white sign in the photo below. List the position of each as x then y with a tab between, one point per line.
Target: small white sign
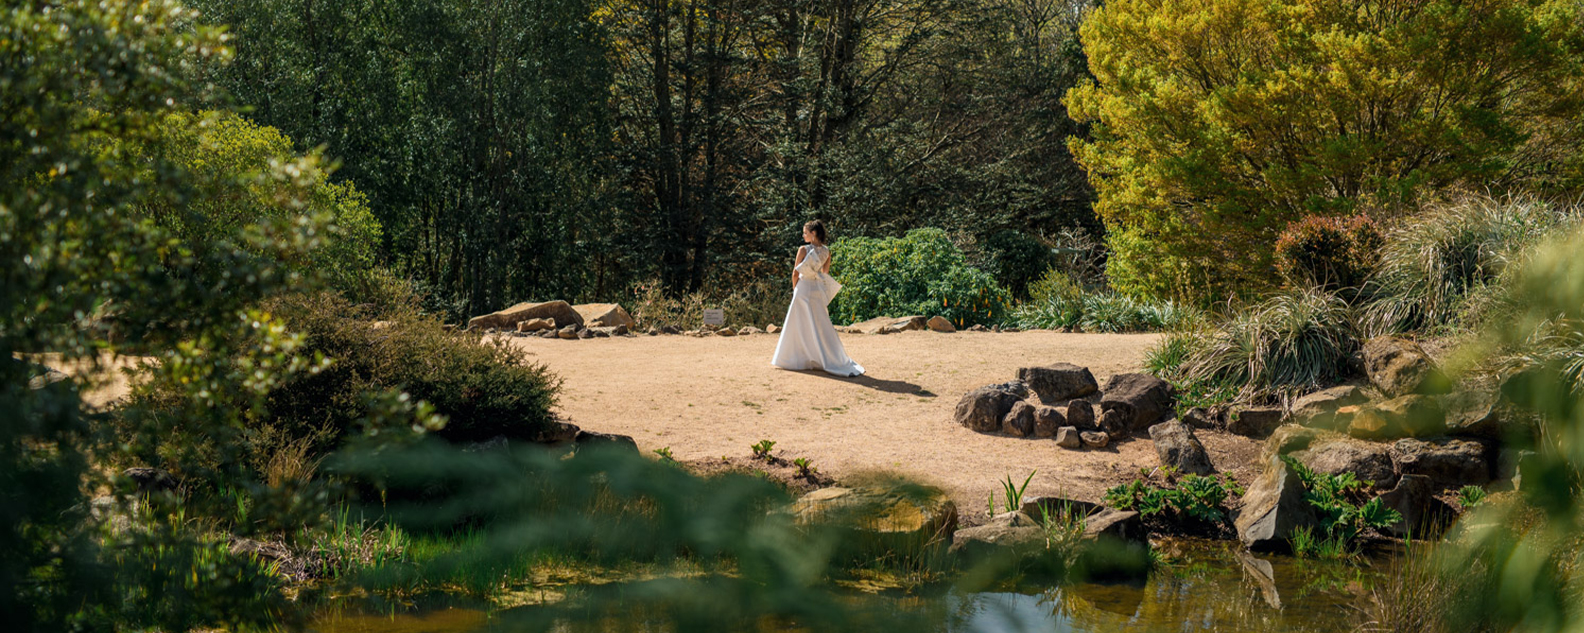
714	317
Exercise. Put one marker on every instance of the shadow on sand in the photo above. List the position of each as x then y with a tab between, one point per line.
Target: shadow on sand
888	386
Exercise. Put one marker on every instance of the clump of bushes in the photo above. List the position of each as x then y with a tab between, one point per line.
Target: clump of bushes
1328	252
1193	497
758	303
1297	341
1015	259
1056	301
921	273
484	389
1444	268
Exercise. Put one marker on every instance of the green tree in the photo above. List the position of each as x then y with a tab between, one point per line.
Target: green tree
1217	123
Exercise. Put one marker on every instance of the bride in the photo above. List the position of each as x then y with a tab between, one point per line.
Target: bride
808	340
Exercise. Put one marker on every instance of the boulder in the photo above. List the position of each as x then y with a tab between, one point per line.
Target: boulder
749	330
1060	382
603	332
1398	366
604	315
983	409
1047	420
1273	507
1319	409
1094	439
889	325
1015	387
940	324
1141	398
1116	423
558	311
901	518
1289	438
586	333
1422	513
1403	416
1255	421
595	440
1336	454
772	328
1123	525
1448	462
535	325
1080	413
1177	447
569	332
1019	420
726	331
550	334
1482	414
1068	437
1008	531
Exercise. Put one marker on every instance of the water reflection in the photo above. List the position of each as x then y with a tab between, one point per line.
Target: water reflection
1207	586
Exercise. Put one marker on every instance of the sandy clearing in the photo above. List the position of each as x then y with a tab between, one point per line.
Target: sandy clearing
714	396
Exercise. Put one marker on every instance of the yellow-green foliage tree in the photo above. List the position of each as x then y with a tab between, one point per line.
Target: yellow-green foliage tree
1217	122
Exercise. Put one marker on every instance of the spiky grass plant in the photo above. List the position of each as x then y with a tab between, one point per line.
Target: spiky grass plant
1442	269
1296	341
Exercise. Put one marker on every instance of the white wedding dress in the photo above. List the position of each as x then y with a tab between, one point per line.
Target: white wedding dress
808	340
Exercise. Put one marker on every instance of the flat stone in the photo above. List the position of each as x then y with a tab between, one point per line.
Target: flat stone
569	332
604	315
558	311
889	325
940	324
1060	382
1094	439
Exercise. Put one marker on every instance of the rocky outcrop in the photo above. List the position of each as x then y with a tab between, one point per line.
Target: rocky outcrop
1273	507
1014	531
1334	455
1448	462
1319	409
604	315
558	311
1177	447
1141	399
983	409
1398	366
1019	420
1059	383
940	324
1123	525
1255	421
897	518
1403	416
889	325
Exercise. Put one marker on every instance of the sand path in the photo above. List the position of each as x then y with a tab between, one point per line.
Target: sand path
714	396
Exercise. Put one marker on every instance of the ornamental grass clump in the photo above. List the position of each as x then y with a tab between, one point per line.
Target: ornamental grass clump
1056	301
1444	269
1293	342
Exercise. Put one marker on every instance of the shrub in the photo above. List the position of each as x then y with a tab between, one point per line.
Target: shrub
1439	268
921	273
485	389
1015	260
1296	341
1328	252
1055	301
759	303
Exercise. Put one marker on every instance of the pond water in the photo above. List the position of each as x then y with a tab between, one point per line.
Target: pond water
1206	586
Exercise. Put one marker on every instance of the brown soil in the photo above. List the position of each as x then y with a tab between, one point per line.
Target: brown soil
710	398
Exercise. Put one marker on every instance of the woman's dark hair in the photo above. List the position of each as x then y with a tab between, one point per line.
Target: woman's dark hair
817	228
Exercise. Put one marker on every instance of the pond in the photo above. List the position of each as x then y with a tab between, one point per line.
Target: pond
1203	586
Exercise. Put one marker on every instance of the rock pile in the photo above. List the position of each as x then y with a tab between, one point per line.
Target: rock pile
1063	407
